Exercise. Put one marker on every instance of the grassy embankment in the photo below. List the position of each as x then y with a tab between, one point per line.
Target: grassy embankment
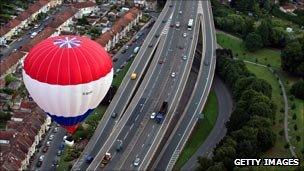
200	132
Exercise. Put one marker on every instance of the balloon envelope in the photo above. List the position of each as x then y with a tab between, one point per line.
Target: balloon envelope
68	76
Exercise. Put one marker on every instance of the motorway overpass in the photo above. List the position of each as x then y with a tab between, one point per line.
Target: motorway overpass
135	100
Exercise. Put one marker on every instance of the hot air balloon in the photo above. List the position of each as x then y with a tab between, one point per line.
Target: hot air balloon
68	76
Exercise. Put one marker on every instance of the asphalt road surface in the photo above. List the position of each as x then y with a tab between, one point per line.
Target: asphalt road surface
174	145
122	96
219	130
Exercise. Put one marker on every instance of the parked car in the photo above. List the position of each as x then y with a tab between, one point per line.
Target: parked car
45	149
48	143
39	163
41	158
51	137
56	129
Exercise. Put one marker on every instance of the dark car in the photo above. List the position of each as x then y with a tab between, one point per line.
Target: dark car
39	163
118	145
150	45
156	36
123	51
160	61
113	115
61	146
45	149
88	158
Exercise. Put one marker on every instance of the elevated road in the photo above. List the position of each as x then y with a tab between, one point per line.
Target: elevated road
182	131
124	93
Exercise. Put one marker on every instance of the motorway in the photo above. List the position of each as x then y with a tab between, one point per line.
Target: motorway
140	131
123	94
136	117
178	138
135	100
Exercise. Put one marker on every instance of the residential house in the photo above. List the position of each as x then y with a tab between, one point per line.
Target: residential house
288	8
18	143
10	61
85	8
124	24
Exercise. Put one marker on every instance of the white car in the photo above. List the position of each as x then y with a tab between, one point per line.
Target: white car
180	12
48	143
56	129
173	74
136	161
184	57
153	115
41	158
184	34
51	137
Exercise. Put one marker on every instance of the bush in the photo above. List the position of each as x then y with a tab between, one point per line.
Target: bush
297	89
253	42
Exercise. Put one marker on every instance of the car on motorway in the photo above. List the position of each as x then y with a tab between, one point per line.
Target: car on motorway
59	152
171	5
51	137
150	45
184	57
180	12
171	25
136	161
184	34
114	115
173	74
61	146
133	76
160	61
180	47
164	21
45	149
153	115
132	56
41	158
118	145
39	163
48	143
156	35
177	24
88	158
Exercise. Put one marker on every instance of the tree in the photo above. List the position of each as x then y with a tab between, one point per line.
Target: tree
293	58
266	138
297	89
265	31
204	163
259	122
260	109
253	42
4	116
247	149
283	2
9	78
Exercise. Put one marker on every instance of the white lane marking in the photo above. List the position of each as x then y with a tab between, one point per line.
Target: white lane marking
131	126
136	117
126	135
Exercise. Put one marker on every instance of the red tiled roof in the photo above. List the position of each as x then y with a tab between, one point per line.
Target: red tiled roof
118	26
23	16
33	8
62	17
43	2
9	61
7	135
27	105
84	4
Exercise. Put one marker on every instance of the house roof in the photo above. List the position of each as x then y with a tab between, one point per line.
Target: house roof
84	4
33	8
23	16
9	61
62	17
43	2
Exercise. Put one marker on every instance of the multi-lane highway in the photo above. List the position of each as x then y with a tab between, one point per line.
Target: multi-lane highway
176	142
123	94
157	82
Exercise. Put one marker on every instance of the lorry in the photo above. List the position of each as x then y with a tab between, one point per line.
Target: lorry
105	160
161	113
136	50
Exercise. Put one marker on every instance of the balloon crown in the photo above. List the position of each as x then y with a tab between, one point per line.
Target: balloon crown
67	42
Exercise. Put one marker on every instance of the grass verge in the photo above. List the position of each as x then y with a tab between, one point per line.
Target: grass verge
200	132
263	56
